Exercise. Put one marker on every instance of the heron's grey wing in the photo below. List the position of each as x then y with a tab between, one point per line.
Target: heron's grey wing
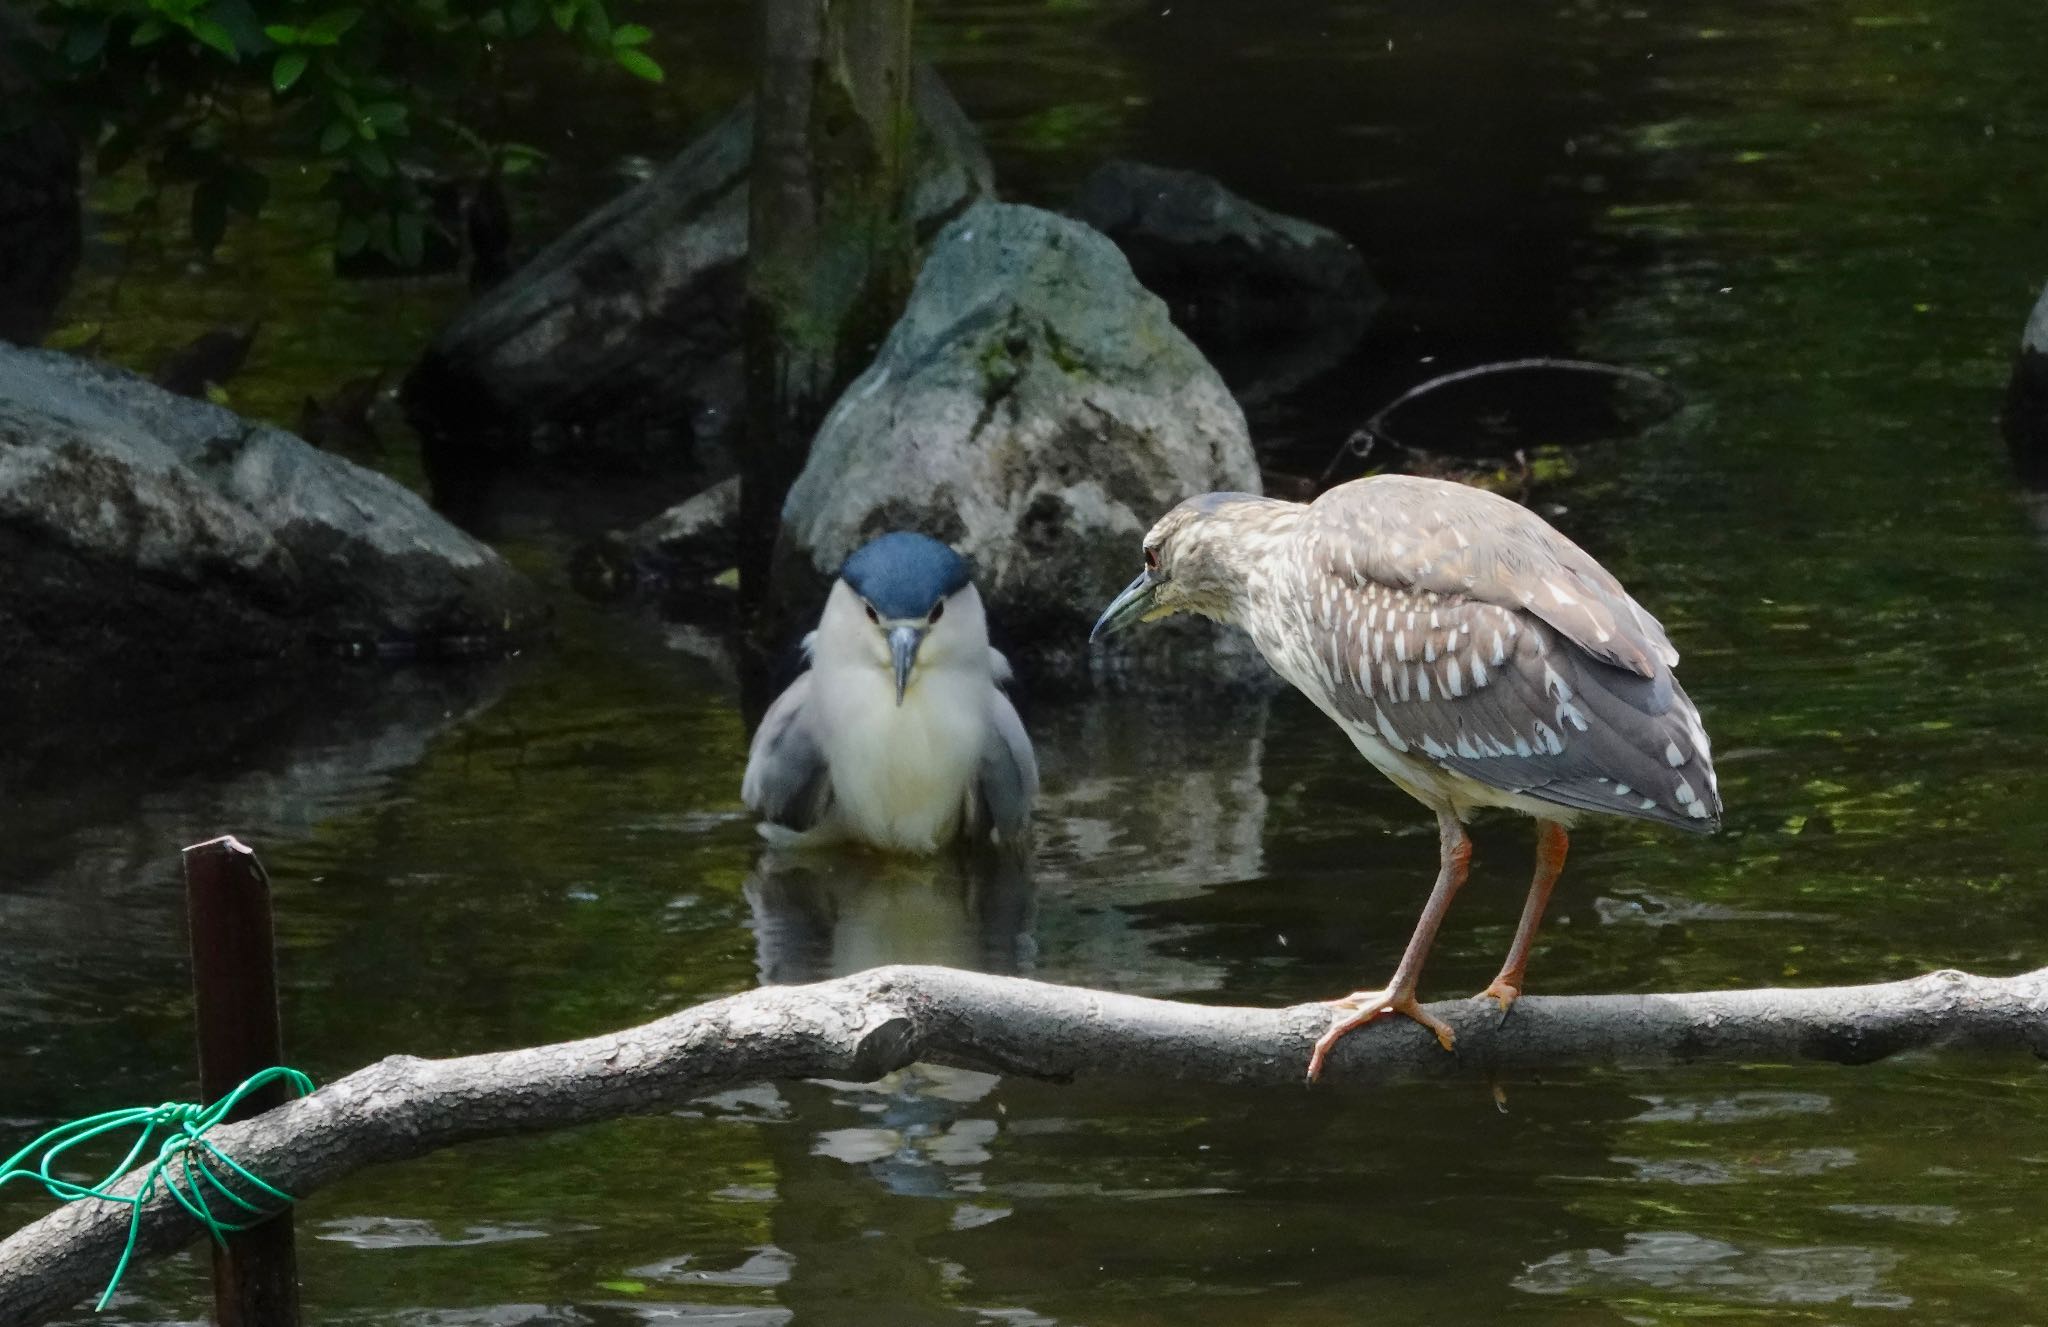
1493	694
787	781
1453	539
1006	783
1604	738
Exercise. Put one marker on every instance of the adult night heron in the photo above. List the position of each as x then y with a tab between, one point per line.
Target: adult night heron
898	736
1472	653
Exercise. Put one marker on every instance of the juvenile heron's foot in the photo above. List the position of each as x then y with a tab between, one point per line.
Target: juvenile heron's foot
1503	992
1361	1007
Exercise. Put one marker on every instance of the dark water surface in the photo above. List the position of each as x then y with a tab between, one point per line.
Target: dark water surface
1824	219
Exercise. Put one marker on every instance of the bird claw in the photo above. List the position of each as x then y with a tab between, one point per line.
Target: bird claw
1357	1009
1503	992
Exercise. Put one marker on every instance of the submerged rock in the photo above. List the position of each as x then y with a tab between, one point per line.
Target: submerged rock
145	533
1036	408
1273	298
702	533
686	557
620	342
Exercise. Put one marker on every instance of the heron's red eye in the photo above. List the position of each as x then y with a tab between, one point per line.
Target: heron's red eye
1151	559
938	610
873	616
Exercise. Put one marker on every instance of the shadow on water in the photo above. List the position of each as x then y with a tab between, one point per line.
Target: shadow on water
92	903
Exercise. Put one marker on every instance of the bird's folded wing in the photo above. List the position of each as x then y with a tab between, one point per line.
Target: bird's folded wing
1006	783
787	781
1495	695
1459	541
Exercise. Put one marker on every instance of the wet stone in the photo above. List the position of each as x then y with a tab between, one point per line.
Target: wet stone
149	534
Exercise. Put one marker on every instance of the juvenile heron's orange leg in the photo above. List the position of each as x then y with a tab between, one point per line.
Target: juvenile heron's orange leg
1454	854
1551	843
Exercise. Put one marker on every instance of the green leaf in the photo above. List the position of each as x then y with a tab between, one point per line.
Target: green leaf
526	16
351	236
639	64
381	236
336	136
597	25
284	34
412	238
564	14
624	1287
327	29
214	35
374	161
519	158
148	32
82	45
631	34
287	70
386	115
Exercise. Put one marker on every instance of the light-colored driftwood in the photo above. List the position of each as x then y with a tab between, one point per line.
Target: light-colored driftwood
864	1026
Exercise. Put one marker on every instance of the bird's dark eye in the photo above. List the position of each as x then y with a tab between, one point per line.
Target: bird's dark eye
938	610
1151	559
873	616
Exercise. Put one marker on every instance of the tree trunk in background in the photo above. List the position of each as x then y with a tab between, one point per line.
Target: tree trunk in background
829	247
41	222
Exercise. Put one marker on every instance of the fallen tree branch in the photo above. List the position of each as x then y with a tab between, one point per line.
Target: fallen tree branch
865	1026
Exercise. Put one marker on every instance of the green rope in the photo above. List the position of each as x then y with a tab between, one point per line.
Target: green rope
174	1167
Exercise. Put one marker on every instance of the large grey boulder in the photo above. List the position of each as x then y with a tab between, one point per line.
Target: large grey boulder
1036	408
1274	299
2026	400
145	532
620	342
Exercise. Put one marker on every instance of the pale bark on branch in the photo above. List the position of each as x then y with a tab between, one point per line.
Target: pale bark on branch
865	1026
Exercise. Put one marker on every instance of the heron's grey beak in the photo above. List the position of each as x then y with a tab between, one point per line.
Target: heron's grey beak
1131	606
903	643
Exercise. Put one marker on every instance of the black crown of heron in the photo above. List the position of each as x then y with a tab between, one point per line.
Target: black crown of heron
1472	653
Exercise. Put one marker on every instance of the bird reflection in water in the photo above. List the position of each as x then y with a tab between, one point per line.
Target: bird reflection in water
883	1150
818	916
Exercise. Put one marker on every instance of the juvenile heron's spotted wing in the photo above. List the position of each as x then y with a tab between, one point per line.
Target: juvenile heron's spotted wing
1482	641
1455	540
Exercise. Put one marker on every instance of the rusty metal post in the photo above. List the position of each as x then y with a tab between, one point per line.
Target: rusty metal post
234	976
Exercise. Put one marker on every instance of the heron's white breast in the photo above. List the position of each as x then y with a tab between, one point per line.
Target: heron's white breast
901	773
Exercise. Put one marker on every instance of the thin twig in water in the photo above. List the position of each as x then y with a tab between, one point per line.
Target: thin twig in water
1372	432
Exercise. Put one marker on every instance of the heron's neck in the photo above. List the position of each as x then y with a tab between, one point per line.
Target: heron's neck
1240	544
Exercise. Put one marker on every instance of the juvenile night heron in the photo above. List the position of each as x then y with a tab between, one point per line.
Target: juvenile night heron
1472	653
898	736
